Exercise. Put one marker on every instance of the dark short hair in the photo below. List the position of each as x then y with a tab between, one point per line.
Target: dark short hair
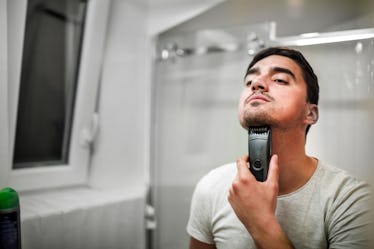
308	74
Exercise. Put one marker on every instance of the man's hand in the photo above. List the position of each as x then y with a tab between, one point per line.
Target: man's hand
254	203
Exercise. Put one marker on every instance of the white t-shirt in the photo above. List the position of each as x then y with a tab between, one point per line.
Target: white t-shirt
330	211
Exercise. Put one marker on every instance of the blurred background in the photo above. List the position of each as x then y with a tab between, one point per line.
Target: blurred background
112	110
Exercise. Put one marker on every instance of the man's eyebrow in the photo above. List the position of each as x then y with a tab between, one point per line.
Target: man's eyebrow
253	70
283	70
256	70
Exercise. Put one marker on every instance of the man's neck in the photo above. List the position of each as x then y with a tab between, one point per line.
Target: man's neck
295	166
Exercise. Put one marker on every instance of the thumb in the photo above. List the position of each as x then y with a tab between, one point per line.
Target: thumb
273	176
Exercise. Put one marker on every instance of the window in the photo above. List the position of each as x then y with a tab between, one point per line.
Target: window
50	62
51	59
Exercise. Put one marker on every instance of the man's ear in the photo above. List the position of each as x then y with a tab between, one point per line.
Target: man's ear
312	114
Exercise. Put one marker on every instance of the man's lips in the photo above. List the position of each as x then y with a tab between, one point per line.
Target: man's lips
256	97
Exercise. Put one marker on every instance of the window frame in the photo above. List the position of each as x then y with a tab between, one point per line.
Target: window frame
76	171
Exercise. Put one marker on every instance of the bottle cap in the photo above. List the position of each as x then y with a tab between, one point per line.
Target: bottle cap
8	199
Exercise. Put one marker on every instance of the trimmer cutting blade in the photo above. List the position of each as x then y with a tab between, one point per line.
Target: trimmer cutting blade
259	150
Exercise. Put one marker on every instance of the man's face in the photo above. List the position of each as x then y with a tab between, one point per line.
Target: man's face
274	94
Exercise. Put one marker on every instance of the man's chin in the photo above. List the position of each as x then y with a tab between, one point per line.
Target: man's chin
258	120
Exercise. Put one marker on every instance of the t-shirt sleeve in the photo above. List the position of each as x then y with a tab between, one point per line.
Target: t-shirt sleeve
350	218
199	223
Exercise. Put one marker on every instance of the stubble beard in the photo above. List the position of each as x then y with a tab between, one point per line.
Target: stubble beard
257	118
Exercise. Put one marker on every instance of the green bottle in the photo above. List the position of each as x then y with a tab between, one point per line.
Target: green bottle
10	225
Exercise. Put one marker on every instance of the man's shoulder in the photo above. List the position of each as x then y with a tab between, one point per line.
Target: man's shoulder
218	179
334	175
336	182
223	170
347	207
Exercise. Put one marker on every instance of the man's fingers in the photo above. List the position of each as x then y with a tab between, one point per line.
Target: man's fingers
242	165
244	174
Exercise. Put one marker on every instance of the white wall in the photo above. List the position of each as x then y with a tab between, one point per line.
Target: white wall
121	154
119	159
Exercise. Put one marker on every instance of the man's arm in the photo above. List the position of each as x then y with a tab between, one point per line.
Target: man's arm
196	244
254	203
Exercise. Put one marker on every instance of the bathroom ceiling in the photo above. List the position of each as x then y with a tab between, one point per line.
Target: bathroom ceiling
164	14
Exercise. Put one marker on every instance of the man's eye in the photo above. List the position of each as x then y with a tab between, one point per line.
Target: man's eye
280	81
248	83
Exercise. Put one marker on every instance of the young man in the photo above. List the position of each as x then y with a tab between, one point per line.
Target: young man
303	203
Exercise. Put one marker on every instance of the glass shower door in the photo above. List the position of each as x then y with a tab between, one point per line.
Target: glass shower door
198	79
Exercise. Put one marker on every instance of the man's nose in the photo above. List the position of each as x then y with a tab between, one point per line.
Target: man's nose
259	84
